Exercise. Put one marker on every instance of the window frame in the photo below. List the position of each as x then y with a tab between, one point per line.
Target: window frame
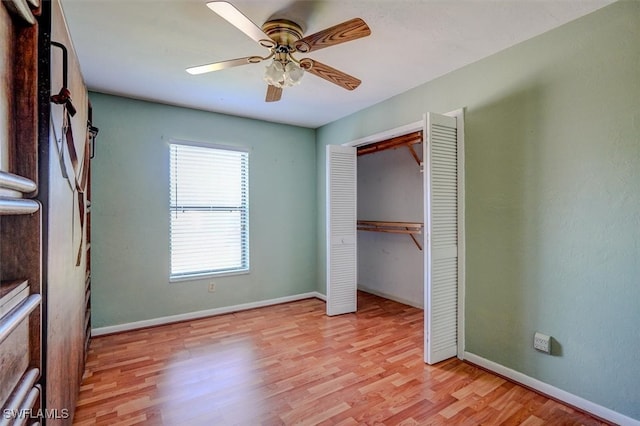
245	242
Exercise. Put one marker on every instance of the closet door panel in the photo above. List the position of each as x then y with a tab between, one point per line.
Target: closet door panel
341	230
442	206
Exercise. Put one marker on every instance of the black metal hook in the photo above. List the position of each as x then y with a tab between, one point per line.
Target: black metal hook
64	96
93	133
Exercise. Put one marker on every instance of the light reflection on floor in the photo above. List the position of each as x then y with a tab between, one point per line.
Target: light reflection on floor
211	383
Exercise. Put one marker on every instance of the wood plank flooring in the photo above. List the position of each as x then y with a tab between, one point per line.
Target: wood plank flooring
291	364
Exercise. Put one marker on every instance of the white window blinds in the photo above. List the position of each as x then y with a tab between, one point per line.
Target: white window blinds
209	193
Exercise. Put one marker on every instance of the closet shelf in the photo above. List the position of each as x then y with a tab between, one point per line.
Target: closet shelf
9	289
409	228
407	140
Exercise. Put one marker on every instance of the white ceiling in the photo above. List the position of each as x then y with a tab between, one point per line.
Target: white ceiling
140	49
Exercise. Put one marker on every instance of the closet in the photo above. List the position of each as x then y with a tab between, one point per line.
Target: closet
390	219
46	137
442	228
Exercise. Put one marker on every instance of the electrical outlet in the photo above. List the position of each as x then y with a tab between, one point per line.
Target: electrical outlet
212	287
542	342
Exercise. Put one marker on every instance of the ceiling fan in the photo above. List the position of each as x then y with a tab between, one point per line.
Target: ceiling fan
283	38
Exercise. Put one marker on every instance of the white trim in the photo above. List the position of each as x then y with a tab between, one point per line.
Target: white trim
459	115
390	297
422	125
319	295
426	175
202	314
387	134
211	145
208	275
552	391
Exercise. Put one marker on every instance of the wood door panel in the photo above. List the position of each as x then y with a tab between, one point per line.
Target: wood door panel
18	97
14	359
65	228
7	52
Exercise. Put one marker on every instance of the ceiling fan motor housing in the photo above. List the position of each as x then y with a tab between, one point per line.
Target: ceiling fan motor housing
284	32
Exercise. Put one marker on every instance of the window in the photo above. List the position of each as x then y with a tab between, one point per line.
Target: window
209	210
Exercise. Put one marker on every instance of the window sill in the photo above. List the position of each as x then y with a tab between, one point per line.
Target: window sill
205	276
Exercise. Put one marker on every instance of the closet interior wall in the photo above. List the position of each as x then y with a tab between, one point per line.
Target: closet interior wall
390	189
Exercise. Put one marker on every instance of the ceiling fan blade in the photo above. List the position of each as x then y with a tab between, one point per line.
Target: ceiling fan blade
238	19
350	30
217	66
273	93
331	74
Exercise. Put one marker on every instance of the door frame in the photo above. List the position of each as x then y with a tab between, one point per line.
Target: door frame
414	127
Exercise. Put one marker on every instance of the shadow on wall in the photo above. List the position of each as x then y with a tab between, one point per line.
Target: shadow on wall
502	194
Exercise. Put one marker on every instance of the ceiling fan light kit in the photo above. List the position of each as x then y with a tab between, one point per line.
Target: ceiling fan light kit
283	38
281	76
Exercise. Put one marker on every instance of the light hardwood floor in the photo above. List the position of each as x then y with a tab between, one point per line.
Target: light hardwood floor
291	364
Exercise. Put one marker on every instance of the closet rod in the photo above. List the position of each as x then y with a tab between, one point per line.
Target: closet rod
410	228
408	139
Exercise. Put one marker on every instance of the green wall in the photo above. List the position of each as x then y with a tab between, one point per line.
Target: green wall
130	220
552	204
552	200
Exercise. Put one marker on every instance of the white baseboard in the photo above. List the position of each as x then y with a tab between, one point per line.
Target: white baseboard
390	297
202	314
552	391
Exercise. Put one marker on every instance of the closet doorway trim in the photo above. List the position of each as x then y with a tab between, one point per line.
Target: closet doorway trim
417	126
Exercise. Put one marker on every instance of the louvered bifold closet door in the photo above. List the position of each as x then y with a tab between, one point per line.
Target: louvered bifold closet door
341	230
442	248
